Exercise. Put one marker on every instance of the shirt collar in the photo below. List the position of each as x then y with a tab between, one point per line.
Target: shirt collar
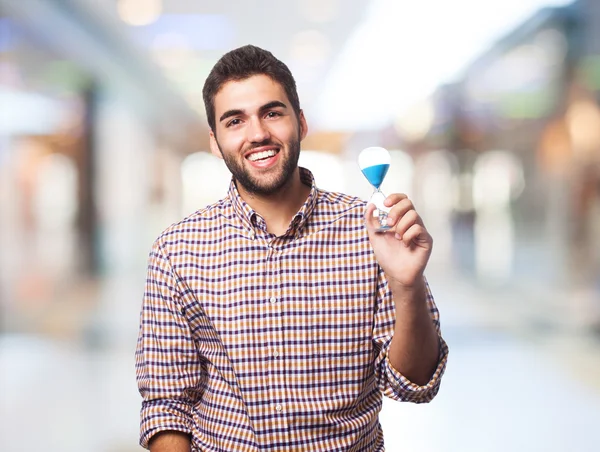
247	215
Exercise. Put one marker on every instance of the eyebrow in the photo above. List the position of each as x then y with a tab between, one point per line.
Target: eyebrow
267	106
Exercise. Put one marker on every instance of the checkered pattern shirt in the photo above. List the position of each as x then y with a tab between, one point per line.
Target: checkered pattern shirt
249	341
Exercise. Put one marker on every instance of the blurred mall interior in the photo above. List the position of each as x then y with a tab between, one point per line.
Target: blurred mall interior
491	111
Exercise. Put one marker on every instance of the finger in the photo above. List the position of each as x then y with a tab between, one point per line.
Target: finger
406	221
394	198
399	210
370	221
417	235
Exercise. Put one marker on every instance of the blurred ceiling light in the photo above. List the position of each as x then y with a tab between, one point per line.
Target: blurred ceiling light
319	11
583	120
416	122
171	50
139	12
310	47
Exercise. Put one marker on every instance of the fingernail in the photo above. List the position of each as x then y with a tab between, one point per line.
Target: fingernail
390	221
398	236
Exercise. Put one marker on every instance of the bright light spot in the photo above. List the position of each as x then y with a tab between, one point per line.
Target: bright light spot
326	168
498	178
139	12
583	120
494	245
400	176
205	180
436	176
414	124
56	195
29	113
436	187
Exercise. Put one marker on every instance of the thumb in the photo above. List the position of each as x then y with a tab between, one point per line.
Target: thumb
371	221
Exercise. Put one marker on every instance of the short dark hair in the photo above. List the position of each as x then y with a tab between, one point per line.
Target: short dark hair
240	64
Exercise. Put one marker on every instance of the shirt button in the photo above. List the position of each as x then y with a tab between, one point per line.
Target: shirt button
272	300
275	354
278	408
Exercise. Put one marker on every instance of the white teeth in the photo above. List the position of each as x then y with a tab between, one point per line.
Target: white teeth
261	155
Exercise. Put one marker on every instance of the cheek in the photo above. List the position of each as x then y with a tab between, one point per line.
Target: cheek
230	143
285	132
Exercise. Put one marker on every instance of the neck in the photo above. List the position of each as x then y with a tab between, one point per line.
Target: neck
278	209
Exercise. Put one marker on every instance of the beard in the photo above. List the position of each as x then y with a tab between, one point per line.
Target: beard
264	186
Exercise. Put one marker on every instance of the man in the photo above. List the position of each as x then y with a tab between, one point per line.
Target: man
276	318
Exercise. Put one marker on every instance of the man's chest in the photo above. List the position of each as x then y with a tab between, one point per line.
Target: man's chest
292	301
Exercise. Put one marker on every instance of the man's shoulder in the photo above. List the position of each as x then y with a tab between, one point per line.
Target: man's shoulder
341	202
200	221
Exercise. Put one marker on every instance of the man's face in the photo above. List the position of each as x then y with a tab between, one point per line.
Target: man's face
257	133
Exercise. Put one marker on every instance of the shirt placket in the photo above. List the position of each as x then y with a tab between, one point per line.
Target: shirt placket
275	350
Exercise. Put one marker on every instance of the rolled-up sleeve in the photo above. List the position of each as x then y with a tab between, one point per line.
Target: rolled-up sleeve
390	381
167	364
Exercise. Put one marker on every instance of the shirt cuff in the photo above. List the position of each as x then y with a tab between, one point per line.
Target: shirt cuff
164	415
412	392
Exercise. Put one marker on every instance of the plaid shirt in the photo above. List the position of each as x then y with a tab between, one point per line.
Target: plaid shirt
251	342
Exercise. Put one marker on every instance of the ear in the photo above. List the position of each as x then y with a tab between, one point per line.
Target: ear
214	146
303	125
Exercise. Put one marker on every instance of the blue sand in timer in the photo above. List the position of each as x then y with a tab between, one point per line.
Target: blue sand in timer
374	163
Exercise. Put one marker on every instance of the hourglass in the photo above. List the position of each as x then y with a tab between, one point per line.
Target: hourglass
374	163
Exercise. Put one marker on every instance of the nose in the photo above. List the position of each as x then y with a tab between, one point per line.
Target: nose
257	131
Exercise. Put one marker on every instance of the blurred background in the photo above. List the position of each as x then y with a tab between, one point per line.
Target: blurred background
490	109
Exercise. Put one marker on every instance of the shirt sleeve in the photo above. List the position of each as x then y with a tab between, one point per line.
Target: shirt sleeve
390	381
167	365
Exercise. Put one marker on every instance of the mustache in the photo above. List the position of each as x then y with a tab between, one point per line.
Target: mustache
261	144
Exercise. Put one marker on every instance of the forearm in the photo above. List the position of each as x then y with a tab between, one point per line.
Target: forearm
414	350
170	441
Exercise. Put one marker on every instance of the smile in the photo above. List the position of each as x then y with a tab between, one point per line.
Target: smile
262	155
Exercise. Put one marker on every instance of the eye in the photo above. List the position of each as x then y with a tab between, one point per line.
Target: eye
273	114
233	122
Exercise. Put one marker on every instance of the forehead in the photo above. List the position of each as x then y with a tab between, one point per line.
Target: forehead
248	94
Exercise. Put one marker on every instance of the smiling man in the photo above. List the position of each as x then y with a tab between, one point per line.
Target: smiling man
259	139
277	318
